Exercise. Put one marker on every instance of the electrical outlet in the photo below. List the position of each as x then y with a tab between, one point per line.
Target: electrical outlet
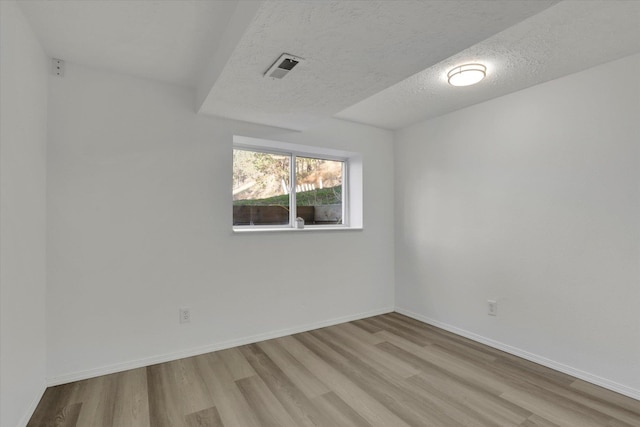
492	307
185	315
57	67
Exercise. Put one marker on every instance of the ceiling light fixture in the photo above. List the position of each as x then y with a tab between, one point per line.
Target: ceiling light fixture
467	74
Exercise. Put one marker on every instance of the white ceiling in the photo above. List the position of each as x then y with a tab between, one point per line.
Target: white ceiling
379	62
352	50
566	38
169	41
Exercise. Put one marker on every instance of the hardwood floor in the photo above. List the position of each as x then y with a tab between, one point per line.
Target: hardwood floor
387	370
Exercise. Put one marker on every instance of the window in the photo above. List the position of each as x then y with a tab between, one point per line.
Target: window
276	185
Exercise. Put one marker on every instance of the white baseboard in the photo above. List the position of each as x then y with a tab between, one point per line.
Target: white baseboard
139	363
586	376
32	407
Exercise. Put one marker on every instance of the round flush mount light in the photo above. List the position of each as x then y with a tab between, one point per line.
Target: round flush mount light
467	74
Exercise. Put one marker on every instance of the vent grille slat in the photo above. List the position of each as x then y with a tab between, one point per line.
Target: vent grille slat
283	65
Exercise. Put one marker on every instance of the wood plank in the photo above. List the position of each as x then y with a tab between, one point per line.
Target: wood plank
437	335
68	416
233	408
453	366
132	401
476	400
56	400
388	390
382	361
98	408
358	333
191	385
206	418
408	335
308	383
548	409
292	399
366	326
236	363
537	421
338	410
163	396
607	397
365	405
269	410
537	383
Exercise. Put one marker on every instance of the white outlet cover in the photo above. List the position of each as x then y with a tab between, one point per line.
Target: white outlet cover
184	315
492	307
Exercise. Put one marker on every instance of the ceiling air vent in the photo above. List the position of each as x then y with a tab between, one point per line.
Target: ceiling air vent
282	66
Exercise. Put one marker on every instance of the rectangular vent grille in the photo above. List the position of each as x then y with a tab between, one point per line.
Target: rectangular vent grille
282	66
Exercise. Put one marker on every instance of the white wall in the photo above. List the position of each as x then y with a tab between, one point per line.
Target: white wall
23	119
140	224
533	199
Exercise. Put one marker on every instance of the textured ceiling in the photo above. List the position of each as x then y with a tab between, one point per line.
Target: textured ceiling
566	38
165	40
379	62
353	49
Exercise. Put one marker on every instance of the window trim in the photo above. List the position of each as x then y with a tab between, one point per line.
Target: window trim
352	162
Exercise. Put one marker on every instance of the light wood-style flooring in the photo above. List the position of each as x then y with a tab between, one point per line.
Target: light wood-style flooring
387	370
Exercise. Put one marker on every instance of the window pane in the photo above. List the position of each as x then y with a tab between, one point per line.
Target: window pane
260	188
319	190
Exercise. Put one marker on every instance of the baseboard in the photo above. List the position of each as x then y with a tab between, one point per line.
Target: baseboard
139	363
32	407
586	376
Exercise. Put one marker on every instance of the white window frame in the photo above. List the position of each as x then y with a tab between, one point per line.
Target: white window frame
351	182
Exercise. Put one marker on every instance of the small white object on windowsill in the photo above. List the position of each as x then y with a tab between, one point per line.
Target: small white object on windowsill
299	223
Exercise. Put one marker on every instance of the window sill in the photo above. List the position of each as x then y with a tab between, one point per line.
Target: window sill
243	230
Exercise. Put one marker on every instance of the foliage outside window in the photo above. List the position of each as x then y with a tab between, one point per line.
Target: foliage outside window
274	189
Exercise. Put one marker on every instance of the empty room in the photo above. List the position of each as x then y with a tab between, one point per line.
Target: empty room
319	213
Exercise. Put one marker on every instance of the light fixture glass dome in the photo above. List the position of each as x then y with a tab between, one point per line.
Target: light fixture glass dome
467	74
